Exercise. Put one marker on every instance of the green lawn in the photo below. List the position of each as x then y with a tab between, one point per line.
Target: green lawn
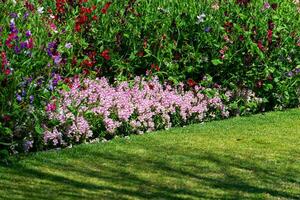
254	157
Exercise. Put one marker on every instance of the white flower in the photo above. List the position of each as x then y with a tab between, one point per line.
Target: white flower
163	10
40	10
201	18
68	45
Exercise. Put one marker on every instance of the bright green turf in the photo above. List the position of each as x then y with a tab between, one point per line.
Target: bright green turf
241	158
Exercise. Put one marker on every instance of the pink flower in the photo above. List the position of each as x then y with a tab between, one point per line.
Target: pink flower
51	107
53	28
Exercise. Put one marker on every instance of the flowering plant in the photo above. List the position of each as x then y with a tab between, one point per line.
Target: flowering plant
139	107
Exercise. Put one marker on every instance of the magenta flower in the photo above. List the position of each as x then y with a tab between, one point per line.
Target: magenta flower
51	107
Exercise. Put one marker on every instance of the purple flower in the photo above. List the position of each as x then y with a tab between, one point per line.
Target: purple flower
51	88
26	16
13	15
56	79
290	74
19	98
29	80
23	45
31	99
28	33
68	45
17	49
39	82
266	5
28	144
55	82
51	49
12	27
57	59
23	94
207	29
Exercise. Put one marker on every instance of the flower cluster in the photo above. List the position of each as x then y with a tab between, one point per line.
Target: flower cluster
144	106
85	17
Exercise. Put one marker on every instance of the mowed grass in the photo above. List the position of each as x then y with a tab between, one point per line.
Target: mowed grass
254	157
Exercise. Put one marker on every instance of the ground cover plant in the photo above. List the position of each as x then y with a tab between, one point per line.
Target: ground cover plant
241	158
230	57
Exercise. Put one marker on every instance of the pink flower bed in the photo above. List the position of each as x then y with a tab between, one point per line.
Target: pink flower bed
142	106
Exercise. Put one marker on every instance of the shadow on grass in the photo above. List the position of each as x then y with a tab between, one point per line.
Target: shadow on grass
124	175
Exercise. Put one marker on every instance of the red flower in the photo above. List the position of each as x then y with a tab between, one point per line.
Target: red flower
105	54
67	80
92	55
106	7
7	71
4	60
86	10
191	82
77	27
156	67
60	6
241	38
86	71
87	63
30	43
151	86
29	6
74	61
269	36
10	38
95	17
260	45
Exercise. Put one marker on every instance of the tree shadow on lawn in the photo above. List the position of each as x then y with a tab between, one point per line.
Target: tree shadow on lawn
124	175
